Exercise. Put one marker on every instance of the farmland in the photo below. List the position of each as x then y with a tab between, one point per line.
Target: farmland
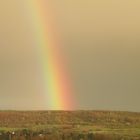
69	125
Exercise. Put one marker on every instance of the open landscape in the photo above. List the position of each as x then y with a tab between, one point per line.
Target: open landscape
61	58
69	125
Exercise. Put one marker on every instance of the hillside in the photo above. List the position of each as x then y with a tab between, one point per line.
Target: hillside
125	124
29	118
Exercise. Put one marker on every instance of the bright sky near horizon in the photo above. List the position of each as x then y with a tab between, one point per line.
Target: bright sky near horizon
101	45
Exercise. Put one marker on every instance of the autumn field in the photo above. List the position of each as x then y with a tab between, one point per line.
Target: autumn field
69	125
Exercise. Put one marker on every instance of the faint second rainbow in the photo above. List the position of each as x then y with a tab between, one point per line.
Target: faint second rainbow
56	85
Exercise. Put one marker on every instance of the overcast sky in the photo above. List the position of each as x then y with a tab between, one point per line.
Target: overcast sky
101	45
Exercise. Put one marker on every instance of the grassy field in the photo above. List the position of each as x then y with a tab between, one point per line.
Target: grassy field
123	125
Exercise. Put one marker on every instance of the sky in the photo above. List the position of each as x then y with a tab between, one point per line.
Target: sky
100	42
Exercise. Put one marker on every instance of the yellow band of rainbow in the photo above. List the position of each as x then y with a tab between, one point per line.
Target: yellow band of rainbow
56	85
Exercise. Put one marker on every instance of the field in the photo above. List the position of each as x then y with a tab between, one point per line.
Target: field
69	125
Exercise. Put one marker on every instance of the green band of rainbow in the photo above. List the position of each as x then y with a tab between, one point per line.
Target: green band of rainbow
56	85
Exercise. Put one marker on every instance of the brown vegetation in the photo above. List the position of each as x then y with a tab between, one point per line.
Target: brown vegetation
69	125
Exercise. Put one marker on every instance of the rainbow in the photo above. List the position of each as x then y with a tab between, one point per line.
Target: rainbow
56	84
